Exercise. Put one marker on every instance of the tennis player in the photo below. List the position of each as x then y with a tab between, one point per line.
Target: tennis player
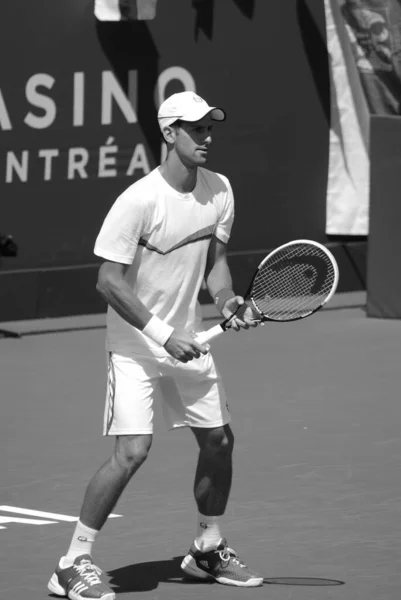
162	237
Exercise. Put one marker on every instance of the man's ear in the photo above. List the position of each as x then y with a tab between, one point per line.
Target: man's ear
169	134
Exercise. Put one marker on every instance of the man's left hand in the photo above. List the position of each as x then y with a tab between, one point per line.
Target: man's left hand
245	317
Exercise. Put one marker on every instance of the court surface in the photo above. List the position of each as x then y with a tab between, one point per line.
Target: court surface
316	412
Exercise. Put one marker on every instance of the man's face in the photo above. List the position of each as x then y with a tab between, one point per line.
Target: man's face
192	141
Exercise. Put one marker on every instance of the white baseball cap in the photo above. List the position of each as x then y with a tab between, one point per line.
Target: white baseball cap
187	106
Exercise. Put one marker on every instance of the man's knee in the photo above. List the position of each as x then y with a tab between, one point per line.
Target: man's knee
131	451
217	441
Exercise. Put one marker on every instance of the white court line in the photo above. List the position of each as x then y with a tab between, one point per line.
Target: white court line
26	521
40	513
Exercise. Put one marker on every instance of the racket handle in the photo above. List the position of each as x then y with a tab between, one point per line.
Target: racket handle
205	336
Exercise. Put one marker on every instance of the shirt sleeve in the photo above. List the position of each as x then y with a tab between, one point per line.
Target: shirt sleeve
122	229
226	216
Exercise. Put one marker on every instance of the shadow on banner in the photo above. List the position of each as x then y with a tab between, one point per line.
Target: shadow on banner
364	44
374	29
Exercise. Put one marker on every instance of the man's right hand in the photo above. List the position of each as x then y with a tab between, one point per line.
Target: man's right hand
183	347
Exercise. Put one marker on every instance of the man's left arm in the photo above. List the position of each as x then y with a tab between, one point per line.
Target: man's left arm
220	286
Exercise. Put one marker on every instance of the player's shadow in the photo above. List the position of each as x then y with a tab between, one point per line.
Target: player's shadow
146	576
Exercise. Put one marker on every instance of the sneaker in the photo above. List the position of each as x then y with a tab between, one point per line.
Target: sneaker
221	564
80	581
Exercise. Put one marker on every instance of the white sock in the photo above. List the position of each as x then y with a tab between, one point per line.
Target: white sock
81	543
208	535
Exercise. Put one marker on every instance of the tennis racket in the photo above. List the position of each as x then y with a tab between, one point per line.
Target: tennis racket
292	282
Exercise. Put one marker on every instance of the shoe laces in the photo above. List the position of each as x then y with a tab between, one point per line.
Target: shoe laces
228	554
89	572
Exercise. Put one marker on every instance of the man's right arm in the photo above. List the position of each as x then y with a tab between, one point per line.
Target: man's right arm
115	290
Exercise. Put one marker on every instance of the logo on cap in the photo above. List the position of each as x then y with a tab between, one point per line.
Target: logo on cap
197	98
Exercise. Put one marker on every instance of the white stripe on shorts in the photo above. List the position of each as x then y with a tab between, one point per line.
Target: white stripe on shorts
111	393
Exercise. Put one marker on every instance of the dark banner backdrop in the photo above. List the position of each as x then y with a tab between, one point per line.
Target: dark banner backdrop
78	103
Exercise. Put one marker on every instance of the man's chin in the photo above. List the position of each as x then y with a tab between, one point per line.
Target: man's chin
199	159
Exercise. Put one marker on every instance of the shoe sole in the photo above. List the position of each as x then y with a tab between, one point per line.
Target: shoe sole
54	587
190	568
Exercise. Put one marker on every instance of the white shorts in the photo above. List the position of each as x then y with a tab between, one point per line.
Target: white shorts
191	394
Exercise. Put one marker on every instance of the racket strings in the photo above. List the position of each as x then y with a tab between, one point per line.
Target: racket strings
290	294
282	276
286	304
290	283
292	289
293	282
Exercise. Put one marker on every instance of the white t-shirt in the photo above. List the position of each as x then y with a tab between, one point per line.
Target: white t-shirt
164	236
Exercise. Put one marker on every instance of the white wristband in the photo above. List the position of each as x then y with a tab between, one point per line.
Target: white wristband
157	330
